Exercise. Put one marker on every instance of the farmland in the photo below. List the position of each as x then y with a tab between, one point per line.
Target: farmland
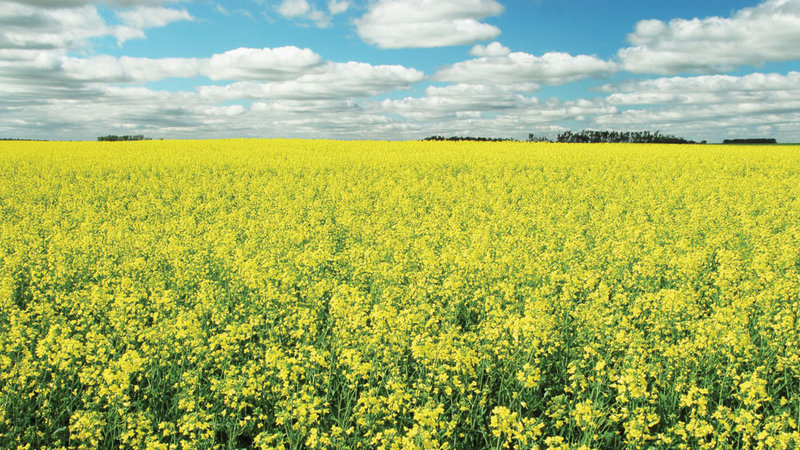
324	294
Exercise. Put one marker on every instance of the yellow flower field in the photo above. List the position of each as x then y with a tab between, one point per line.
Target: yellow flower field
322	294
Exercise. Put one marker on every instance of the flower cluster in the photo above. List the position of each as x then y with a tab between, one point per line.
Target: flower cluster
321	294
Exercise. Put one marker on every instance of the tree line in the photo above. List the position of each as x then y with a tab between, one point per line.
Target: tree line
585	137
466	138
625	137
758	141
127	137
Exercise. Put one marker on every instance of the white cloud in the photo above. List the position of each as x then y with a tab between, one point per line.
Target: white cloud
303	10
493	49
331	81
261	64
238	11
106	68
27	27
331	109
708	89
338	6
70	28
282	63
30	77
682	99
704	106
134	110
427	23
465	109
454	100
152	16
54	96
293	8
732	114
517	68
320	19
751	36
59	4
21	68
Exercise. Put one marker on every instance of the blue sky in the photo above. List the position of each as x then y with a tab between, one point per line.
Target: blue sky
398	69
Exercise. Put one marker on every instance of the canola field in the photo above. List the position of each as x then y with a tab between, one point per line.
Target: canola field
320	294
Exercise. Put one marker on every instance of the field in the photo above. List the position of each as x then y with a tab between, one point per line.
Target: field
322	294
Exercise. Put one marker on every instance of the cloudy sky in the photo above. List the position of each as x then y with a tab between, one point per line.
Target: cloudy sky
398	69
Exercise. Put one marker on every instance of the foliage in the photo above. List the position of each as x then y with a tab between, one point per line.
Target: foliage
628	137
292	294
755	141
466	138
127	137
533	138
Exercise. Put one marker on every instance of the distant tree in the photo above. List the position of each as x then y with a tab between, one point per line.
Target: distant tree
629	137
757	141
127	137
532	138
466	138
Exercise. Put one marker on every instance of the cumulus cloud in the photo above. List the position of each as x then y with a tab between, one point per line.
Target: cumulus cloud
495	64
493	49
126	110
282	63
427	23
293	8
703	105
303	10
59	4
108	69
751	36
269	73
261	64
28	77
330	81
338	6
114	108
263	74
456	100
28	27
486	111
153	16
739	114
70	28
707	89
490	111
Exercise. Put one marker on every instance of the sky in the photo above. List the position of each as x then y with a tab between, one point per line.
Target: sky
398	69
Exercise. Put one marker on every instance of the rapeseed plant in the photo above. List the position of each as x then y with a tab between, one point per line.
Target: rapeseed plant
322	294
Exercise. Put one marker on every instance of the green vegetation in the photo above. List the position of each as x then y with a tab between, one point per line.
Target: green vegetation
115	138
750	141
